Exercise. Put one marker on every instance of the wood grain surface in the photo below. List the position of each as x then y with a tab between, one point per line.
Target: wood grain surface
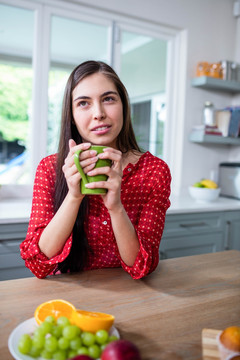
209	344
163	314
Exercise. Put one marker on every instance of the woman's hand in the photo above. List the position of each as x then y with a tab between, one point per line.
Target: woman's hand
112	199
87	159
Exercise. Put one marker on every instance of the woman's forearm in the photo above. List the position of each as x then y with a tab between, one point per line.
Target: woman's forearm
126	236
60	227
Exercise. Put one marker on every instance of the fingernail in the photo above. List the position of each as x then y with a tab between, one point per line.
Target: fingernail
93	152
86	145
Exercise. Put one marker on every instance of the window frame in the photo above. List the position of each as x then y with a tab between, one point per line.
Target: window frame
175	85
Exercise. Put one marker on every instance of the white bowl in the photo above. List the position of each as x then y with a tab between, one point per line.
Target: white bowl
204	194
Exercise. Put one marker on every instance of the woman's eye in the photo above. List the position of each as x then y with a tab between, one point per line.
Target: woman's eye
82	103
108	99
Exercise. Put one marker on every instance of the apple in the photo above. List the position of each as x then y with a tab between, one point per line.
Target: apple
121	350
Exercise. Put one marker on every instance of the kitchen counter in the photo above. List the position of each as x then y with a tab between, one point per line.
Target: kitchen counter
18	210
163	314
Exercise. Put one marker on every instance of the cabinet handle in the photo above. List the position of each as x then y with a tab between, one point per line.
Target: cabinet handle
227	236
193	225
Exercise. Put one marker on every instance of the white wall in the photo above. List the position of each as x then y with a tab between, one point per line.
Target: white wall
213	34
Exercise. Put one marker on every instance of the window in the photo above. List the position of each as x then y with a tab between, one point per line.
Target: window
145	78
16	43
41	43
68	49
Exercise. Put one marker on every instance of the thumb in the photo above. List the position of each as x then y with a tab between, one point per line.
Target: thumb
71	143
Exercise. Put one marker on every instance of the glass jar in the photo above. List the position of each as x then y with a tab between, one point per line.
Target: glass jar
209	114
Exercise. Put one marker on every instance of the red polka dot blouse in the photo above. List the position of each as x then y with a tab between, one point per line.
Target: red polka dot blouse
145	195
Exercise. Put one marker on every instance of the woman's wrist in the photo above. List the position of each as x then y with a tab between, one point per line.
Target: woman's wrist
74	199
118	209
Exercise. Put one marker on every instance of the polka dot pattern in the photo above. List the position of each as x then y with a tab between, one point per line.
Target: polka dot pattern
145	196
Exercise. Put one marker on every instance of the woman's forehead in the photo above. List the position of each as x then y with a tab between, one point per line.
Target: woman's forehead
94	83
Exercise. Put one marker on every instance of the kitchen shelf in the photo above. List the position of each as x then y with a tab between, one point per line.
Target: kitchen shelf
200	137
210	83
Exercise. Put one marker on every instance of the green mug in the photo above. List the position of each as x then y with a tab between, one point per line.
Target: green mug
86	179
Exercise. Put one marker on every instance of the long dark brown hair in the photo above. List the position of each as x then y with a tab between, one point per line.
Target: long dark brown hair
126	141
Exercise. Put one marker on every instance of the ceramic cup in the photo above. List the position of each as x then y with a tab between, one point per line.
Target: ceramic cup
86	179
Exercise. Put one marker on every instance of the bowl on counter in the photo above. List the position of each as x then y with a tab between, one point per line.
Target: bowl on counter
204	194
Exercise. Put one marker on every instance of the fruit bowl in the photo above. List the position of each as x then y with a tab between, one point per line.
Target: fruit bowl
204	194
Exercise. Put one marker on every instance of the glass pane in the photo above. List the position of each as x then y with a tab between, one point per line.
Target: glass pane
16	43
72	42
143	71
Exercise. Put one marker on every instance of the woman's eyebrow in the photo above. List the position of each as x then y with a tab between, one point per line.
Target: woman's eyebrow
109	93
83	97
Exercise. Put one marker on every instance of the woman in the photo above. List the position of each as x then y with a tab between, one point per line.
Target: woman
68	231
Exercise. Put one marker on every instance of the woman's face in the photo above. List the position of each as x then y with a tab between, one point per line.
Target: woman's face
97	110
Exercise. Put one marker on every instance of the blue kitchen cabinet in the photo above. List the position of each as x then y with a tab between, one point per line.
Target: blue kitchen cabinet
200	233
232	230
11	264
192	234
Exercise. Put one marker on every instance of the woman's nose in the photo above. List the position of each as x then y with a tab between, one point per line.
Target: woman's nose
99	112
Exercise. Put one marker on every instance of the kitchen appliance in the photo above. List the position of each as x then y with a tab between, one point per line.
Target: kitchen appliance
230	70
229	179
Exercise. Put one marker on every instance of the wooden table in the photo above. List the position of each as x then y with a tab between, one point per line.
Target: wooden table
163	314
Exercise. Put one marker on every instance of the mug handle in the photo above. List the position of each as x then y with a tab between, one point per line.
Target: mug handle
77	163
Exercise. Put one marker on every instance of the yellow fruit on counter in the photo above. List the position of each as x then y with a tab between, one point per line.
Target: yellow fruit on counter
55	308
210	184
92	321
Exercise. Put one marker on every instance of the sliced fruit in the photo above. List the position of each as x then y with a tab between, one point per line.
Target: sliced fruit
54	308
209	184
92	321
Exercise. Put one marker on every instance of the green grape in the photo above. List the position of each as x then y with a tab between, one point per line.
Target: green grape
39	332
70	331
38	341
78	331
72	353
63	343
34	352
94	351
82	351
46	354
56	331
25	344
63	321
51	344
46	327
102	337
112	338
60	355
75	343
102	347
88	338
51	319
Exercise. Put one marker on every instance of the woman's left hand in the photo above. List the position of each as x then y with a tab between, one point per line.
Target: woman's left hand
112	199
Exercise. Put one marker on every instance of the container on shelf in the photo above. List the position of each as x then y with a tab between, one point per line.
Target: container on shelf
209	114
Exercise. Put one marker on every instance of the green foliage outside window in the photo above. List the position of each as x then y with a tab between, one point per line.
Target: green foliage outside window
15	100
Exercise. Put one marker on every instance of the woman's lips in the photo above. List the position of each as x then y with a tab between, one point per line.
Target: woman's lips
100	130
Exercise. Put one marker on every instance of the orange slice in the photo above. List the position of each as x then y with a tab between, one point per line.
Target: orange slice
55	308
92	321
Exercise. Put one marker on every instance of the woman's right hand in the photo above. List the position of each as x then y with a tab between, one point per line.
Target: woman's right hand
87	159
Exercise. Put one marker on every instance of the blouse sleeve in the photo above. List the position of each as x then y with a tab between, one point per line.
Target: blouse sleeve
150	227
41	214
